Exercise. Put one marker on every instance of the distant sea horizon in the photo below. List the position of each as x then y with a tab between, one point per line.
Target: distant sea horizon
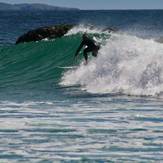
78	8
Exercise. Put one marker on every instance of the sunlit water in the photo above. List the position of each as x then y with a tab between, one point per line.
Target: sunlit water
82	128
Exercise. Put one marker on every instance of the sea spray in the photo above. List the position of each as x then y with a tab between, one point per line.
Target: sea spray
82	28
125	64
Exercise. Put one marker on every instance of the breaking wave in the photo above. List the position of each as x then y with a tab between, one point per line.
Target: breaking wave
125	65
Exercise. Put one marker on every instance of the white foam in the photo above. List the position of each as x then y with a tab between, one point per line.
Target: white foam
126	64
83	28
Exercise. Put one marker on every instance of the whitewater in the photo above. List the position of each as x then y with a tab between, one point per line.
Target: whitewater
110	110
125	64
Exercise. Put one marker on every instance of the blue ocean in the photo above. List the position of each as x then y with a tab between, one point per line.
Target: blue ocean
55	109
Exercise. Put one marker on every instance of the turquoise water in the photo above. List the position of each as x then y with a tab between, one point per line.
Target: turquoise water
108	111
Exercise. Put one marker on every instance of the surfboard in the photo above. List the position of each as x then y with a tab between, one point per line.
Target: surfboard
67	67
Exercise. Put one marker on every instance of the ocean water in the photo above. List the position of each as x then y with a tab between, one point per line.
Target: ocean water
108	111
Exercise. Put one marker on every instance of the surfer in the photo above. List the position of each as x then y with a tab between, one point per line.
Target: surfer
90	46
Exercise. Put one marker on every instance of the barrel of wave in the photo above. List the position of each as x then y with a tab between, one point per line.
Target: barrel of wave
36	63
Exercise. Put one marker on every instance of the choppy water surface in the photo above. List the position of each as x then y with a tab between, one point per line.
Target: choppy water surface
87	128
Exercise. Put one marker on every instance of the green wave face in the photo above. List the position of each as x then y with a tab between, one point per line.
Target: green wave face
36	64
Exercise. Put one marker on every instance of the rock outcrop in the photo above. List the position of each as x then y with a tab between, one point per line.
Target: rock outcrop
44	32
51	32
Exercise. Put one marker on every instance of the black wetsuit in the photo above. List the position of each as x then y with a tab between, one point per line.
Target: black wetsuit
91	47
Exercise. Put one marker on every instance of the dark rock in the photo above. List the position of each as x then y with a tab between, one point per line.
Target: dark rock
51	32
44	32
110	29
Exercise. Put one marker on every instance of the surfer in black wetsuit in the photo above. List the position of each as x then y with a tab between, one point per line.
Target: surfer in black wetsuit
90	46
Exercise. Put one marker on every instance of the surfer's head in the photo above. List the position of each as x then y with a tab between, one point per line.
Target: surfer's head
85	35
